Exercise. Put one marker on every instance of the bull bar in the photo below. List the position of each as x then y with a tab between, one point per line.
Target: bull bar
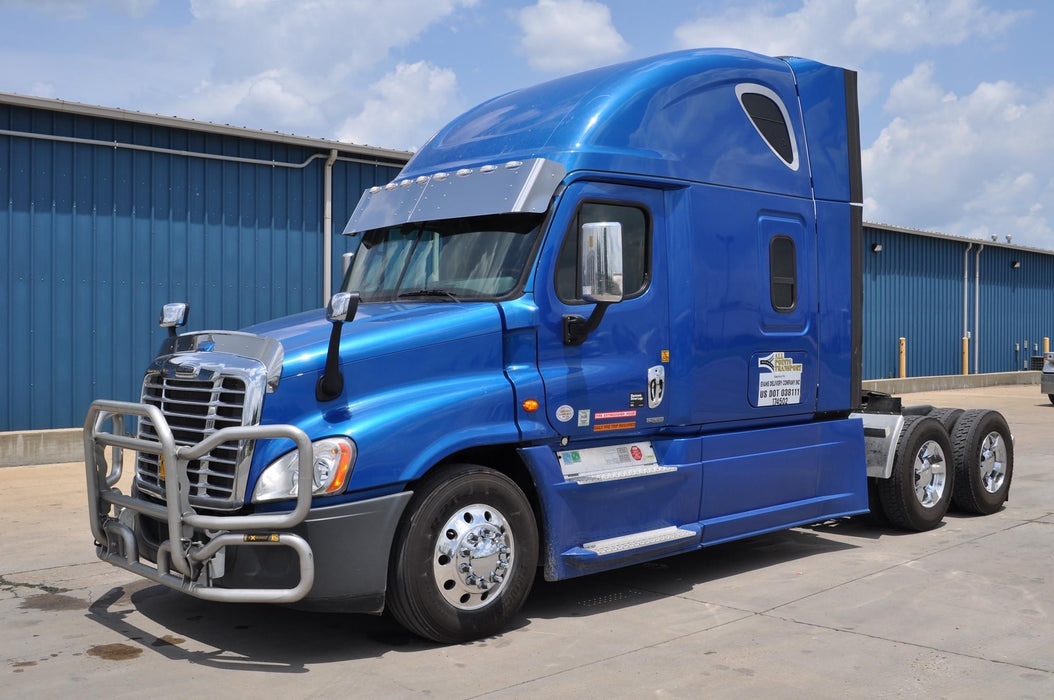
115	539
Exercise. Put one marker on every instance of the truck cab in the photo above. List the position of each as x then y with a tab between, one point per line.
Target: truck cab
595	322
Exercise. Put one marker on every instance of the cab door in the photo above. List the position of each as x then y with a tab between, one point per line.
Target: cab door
614	383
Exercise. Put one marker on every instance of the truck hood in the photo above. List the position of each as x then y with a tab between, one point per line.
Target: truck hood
378	329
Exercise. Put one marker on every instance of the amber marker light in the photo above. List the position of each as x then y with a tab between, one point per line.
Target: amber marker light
342	469
530	405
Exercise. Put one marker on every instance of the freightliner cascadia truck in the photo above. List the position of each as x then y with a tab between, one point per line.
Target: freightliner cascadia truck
610	318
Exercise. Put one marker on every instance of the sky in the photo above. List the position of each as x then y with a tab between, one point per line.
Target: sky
956	96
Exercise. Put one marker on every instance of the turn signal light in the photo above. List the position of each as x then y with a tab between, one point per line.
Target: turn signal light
530	405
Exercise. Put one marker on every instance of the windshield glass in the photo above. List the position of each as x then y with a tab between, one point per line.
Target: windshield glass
481	257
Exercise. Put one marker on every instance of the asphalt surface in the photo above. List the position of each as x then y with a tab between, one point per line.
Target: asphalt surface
838	609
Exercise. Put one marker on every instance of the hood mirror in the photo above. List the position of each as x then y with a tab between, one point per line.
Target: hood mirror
174	316
341	309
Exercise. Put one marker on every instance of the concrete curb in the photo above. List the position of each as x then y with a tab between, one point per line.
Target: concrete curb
24	448
910	385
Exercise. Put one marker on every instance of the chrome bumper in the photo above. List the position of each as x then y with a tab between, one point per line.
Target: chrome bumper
186	560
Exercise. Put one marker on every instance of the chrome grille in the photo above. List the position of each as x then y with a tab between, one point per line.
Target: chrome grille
195	409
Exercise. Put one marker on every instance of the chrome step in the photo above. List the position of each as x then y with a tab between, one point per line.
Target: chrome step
623	473
638	540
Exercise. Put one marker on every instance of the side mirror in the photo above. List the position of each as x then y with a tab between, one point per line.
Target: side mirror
599	275
600	262
342	308
174	316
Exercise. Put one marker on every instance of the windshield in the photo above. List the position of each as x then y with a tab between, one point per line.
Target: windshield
480	257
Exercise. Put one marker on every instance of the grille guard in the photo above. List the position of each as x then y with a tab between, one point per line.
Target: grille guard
115	540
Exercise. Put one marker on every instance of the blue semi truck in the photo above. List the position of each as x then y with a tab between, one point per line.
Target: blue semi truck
595	322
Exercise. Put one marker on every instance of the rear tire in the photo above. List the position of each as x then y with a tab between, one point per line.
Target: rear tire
1051	397
918	492
984	461
464	556
947	416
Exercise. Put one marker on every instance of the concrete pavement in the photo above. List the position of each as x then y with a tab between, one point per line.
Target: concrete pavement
838	609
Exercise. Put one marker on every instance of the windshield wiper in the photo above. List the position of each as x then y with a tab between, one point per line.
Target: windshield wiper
430	293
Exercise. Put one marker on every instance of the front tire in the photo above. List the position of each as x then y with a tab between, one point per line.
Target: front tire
464	556
918	492
984	461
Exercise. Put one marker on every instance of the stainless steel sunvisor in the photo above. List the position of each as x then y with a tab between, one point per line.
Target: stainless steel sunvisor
513	187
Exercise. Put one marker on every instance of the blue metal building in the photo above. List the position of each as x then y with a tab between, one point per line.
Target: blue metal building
109	214
933	290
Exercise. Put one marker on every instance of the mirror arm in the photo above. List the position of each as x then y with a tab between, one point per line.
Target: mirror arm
578	328
331	383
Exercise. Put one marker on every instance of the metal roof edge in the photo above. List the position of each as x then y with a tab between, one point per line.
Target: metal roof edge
958	239
210	127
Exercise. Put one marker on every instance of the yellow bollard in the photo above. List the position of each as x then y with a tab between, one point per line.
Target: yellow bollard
1046	345
903	358
966	355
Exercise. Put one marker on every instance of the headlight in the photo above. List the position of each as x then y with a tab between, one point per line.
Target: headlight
333	460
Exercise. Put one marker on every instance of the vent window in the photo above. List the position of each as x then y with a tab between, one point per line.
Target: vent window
769	116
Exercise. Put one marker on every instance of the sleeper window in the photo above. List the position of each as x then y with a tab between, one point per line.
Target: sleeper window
783	274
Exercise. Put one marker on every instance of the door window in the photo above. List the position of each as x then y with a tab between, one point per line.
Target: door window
636	248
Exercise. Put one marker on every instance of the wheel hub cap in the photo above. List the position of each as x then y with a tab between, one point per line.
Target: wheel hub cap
473	555
930	474
993	462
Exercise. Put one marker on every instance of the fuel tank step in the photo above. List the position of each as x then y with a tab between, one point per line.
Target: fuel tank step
638	540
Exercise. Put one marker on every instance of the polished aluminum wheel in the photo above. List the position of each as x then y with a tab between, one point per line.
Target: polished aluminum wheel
931	474
993	460
473	555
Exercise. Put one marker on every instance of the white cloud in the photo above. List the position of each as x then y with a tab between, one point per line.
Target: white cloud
977	164
406	106
283	64
569	35
844	33
283	101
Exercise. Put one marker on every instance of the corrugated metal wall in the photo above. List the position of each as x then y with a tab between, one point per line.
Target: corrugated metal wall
913	288
94	239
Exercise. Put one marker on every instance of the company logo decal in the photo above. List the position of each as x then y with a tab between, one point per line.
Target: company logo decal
779	380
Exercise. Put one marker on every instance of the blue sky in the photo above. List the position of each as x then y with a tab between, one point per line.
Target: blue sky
957	96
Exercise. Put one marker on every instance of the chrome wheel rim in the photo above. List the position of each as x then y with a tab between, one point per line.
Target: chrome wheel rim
993	462
931	474
473	556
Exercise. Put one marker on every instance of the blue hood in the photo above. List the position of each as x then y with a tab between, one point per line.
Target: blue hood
378	329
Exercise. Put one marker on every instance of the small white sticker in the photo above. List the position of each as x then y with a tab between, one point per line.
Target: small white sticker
565	413
583	418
